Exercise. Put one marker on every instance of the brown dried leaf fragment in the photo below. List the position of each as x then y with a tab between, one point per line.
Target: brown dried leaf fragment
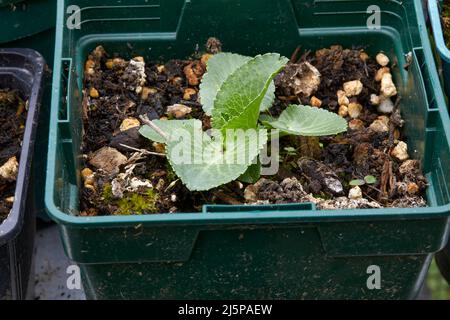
387	181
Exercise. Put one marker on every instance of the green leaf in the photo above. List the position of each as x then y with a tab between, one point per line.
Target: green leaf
370	179
239	99
308	121
216	165
290	149
206	164
219	68
269	98
167	126
266	118
357	182
252	174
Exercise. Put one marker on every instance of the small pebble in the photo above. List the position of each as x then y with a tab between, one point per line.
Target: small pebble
400	151
363	56
129	123
379	125
355	193
89	186
160	68
388	88
353	88
9	170
93	93
316	102
86	172
412	188
99	52
342	98
343	111
89	67
354	110
382	59
189	93
374	99
139	59
250	193
356	124
384	119
146	92
177	81
381	72
109	64
119	62
178	110
386	106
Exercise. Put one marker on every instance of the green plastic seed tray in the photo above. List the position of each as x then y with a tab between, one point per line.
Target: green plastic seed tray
256	252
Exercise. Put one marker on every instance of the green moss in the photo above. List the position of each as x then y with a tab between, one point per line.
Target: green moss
171	176
131	203
107	192
135	203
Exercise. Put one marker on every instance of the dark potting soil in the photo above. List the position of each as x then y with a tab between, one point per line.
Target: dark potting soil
12	127
446	21
120	178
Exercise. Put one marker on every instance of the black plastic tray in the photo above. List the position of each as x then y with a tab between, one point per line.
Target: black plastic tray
23	70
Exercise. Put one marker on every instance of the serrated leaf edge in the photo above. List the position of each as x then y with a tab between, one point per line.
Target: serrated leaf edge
262	93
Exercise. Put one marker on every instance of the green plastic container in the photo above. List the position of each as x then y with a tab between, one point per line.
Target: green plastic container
442	49
280	252
20	19
31	24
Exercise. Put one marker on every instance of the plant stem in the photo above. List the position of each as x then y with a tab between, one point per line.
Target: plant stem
143	151
146	121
